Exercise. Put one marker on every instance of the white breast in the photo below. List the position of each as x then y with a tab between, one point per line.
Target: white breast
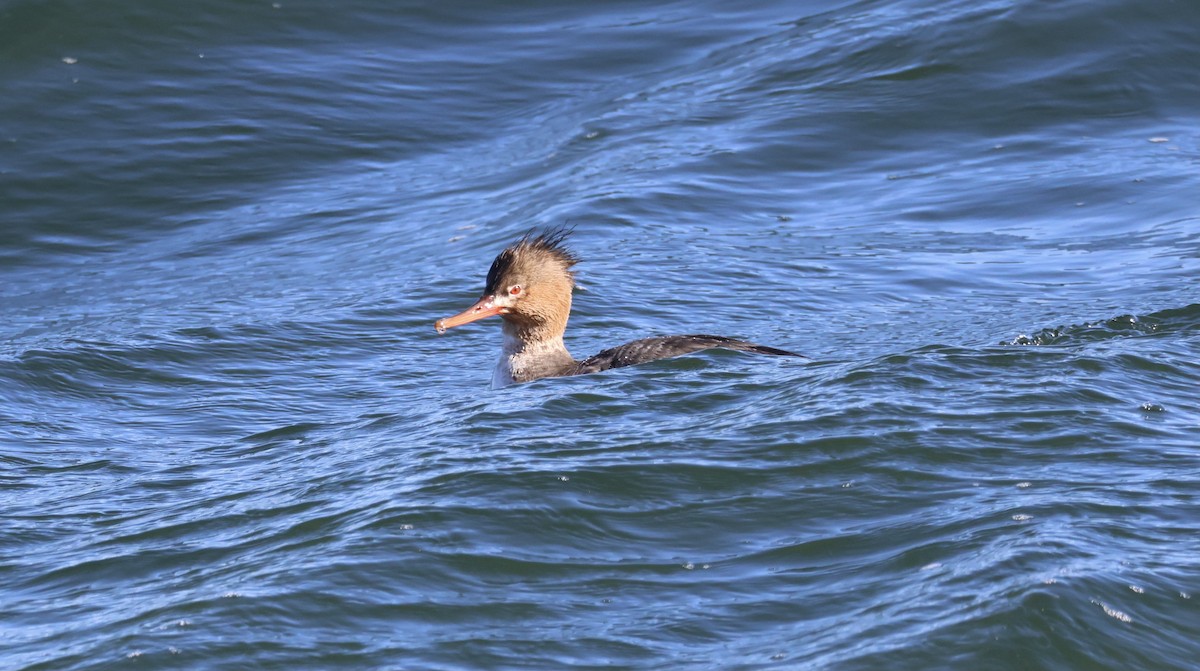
502	376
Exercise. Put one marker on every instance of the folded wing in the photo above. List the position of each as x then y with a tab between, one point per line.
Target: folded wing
663	347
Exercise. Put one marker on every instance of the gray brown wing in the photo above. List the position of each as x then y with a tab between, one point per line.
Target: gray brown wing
652	349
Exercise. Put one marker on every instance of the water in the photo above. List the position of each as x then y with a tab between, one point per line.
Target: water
230	438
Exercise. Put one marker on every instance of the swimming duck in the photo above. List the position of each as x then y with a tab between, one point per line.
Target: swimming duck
529	286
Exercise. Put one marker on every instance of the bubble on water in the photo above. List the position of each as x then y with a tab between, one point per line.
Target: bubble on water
689	566
1024	485
1022	517
1113	612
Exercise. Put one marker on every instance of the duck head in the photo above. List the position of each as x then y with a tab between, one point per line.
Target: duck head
528	286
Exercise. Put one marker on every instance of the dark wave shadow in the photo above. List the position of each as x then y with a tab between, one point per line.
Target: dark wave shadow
1122	326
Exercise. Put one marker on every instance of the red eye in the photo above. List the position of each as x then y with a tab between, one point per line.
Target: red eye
514	289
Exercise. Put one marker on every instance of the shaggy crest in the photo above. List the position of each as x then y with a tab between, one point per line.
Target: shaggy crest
535	249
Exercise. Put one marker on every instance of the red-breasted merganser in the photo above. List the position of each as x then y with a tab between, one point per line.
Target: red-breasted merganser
529	287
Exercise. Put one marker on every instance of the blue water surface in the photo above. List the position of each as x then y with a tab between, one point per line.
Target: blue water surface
230	437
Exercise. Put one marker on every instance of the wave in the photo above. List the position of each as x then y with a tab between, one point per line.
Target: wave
1163	322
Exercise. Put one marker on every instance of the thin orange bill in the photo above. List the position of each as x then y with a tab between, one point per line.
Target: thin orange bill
482	308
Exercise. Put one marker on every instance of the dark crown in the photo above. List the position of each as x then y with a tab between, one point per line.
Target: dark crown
536	248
